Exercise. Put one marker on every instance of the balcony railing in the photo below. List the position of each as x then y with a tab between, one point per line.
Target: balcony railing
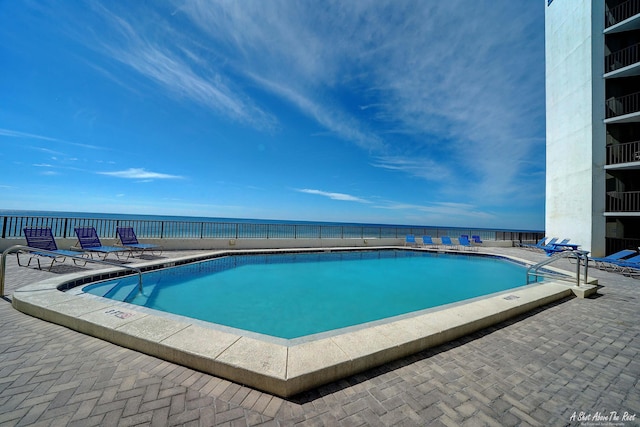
621	12
623	105
12	228
623	153
616	244
627	201
622	58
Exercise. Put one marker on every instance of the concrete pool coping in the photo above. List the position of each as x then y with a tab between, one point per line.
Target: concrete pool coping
280	368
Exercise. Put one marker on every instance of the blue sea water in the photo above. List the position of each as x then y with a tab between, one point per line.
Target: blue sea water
138	217
114	216
157	226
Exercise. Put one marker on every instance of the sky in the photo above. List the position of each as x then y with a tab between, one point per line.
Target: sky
393	112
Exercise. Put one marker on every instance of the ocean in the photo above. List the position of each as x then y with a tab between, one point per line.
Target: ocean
162	226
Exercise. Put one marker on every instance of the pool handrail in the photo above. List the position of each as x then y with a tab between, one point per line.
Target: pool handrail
578	254
17	248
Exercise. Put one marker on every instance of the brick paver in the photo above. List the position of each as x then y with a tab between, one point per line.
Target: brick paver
538	369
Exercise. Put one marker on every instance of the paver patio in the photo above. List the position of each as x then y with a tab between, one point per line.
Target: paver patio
578	356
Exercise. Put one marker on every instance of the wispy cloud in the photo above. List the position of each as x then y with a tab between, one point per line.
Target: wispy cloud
334	196
330	116
25	135
444	209
140	173
426	168
166	59
382	75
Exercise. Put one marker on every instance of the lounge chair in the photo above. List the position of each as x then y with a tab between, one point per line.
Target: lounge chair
476	239
127	238
42	238
555	247
608	261
89	241
625	265
447	243
538	245
410	240
464	243
542	246
427	242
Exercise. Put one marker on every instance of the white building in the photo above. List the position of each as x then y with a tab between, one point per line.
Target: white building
593	123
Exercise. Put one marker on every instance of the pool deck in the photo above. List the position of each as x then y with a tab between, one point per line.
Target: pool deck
579	355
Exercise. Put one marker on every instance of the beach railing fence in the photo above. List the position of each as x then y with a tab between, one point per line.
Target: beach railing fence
63	227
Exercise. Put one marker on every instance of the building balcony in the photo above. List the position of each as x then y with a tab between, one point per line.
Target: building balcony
614	244
623	63
623	203
624	17
623	156
623	109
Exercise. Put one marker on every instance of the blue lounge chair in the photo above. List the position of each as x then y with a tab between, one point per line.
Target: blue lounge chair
464	243
128	239
476	239
410	240
555	247
538	245
427	241
89	241
608	261
42	238
544	246
625	265
447	243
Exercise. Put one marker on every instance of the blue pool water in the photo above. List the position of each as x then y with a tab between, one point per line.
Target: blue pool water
293	295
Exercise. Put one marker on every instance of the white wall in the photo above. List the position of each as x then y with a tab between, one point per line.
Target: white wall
575	181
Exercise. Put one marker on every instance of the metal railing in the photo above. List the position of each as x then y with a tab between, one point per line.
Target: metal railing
623	153
623	201
19	248
621	12
622	58
535	271
619	106
63	227
617	244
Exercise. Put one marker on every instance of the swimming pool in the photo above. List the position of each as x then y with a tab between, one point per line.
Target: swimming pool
295	295
283	367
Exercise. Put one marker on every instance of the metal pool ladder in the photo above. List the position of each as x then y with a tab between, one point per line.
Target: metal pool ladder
18	248
581	257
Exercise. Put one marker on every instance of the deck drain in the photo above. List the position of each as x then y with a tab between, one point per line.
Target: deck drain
510	297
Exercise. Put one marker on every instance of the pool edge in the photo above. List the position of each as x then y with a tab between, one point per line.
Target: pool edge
277	369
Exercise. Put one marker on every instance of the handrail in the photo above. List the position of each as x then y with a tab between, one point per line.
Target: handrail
17	248
626	152
622	58
63	227
579	255
621	12
623	201
622	105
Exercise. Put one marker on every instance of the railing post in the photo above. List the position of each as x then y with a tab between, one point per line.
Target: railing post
586	266
4	227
